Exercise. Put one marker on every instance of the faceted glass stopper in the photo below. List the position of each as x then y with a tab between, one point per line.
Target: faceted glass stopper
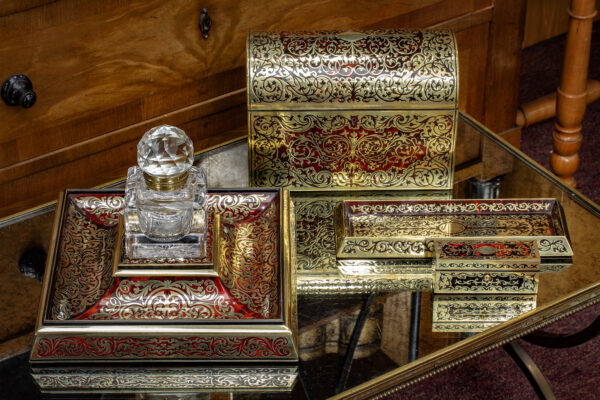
165	151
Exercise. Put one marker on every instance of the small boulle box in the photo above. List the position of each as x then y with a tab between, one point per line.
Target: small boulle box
494	266
477	312
481	282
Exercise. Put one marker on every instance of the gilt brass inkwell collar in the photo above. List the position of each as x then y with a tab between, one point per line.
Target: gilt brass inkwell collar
166	184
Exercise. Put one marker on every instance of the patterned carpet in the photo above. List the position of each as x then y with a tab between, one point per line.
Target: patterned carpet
573	373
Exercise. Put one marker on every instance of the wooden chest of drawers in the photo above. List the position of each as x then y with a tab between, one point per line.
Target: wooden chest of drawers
106	71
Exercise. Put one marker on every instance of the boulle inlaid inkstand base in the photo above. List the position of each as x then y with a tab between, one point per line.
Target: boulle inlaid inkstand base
234	307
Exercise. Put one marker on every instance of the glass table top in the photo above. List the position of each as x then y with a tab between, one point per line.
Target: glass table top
349	344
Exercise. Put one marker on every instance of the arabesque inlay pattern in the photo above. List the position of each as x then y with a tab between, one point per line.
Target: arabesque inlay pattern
206	347
84	264
315	235
328	285
488	282
329	68
104	209
235	207
160	299
437	225
178	379
385	247
482	308
533	206
353	149
486	249
249	260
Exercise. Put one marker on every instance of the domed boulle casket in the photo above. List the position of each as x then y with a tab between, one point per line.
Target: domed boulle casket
350	115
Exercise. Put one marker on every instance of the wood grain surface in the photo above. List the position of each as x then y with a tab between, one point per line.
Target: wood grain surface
545	19
104	71
143	60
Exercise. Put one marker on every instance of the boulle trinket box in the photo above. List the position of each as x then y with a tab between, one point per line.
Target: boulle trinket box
495	266
244	312
360	115
479	283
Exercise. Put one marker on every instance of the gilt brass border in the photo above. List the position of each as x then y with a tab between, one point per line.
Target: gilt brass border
161	380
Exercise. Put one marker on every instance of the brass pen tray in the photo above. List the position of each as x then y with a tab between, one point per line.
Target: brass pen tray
244	314
406	229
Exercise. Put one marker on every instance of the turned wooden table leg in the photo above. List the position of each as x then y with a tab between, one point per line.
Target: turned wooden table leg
571	95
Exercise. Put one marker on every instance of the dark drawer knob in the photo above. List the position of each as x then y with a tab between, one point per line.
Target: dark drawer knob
205	23
32	263
17	90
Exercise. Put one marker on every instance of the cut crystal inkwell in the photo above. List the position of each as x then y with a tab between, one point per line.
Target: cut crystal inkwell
165	196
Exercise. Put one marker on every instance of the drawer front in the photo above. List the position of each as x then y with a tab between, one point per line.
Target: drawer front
490	282
109	69
474	313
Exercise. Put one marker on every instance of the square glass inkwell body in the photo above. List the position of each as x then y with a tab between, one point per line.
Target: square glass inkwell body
165	199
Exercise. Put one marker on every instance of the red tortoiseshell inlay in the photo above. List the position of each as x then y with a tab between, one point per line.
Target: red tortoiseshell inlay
83	287
166	299
114	347
487	249
352	150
